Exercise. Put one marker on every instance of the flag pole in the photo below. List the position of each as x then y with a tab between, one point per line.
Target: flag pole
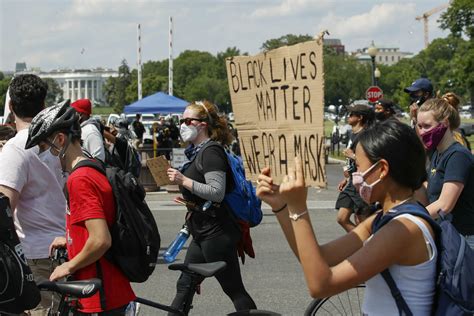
170	63
139	61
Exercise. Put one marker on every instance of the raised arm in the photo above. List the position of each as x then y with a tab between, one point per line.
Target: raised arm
323	276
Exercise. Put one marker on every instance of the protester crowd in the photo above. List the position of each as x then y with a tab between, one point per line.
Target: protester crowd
388	164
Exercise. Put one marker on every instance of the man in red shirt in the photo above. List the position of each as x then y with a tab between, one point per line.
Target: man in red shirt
91	212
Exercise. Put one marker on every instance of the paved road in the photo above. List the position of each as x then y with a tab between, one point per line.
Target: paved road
274	279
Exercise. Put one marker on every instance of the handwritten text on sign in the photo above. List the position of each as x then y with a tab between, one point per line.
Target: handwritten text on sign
277	98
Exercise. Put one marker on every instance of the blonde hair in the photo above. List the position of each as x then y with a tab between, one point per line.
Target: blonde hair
442	110
216	122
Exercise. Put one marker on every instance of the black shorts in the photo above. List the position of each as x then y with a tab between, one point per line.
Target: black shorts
349	198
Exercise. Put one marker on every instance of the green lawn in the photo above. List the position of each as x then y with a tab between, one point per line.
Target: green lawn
102	110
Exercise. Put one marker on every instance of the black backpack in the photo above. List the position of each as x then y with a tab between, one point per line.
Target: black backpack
18	291
124	156
135	237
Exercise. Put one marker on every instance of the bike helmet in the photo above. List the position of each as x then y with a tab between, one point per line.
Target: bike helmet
61	117
121	123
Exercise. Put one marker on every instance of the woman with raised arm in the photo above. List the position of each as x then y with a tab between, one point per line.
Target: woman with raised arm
390	167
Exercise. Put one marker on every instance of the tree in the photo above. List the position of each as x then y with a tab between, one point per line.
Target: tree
54	94
288	39
459	18
345	79
206	88
115	88
4	83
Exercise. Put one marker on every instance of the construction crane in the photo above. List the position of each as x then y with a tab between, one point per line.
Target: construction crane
425	17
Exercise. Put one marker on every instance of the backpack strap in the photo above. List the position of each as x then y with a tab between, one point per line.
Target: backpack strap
397	295
380	220
198	159
406	208
92	163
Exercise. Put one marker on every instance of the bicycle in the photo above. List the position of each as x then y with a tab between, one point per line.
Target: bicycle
346	303
71	291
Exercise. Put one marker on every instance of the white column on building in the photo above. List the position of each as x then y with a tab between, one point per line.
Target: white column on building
80	89
73	87
99	89
73	95
92	90
96	85
76	89
87	88
66	89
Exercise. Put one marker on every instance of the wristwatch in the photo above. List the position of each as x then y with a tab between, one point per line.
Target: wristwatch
296	216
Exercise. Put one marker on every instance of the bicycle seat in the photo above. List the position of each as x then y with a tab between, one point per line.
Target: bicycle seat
204	269
79	289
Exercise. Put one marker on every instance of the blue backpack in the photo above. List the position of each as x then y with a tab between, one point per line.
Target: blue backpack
242	200
455	266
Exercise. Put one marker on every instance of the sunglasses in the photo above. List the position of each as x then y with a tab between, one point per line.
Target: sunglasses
188	120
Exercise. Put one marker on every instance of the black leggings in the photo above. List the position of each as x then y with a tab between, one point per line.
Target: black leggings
220	248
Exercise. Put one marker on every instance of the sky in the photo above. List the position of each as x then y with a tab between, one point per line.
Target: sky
52	34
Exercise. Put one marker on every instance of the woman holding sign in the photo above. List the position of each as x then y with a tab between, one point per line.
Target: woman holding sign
203	182
390	167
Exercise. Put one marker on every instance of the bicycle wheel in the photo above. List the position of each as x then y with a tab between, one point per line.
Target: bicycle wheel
345	303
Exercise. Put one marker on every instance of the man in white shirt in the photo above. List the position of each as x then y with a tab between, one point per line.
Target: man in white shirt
92	140
32	187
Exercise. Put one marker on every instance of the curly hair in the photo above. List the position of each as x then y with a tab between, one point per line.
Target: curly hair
452	99
27	95
217	123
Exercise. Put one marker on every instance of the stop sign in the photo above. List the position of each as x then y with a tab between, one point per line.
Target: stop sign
373	94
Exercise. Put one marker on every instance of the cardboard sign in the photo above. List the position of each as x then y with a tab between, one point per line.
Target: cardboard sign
277	98
158	167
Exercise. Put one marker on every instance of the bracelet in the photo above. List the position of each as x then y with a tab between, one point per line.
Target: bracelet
280	209
296	216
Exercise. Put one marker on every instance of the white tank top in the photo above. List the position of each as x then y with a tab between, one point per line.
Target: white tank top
416	283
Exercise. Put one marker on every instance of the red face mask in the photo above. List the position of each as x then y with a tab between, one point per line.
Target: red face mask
433	137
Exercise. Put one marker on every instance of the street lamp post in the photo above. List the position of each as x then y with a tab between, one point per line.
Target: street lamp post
377	75
372	51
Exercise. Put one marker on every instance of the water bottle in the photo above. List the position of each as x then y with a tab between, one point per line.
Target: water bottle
178	243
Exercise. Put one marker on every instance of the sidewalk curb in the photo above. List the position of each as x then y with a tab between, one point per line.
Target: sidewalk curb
336	161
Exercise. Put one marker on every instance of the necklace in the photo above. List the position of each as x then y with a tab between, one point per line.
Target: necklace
399	203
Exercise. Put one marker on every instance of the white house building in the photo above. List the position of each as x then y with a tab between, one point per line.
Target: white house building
81	83
385	55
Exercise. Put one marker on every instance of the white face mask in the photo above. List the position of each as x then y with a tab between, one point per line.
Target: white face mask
46	156
188	132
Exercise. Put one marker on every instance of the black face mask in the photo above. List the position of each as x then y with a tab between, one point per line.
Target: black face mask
419	100
380	116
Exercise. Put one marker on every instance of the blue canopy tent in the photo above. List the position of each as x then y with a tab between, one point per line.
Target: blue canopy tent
157	103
